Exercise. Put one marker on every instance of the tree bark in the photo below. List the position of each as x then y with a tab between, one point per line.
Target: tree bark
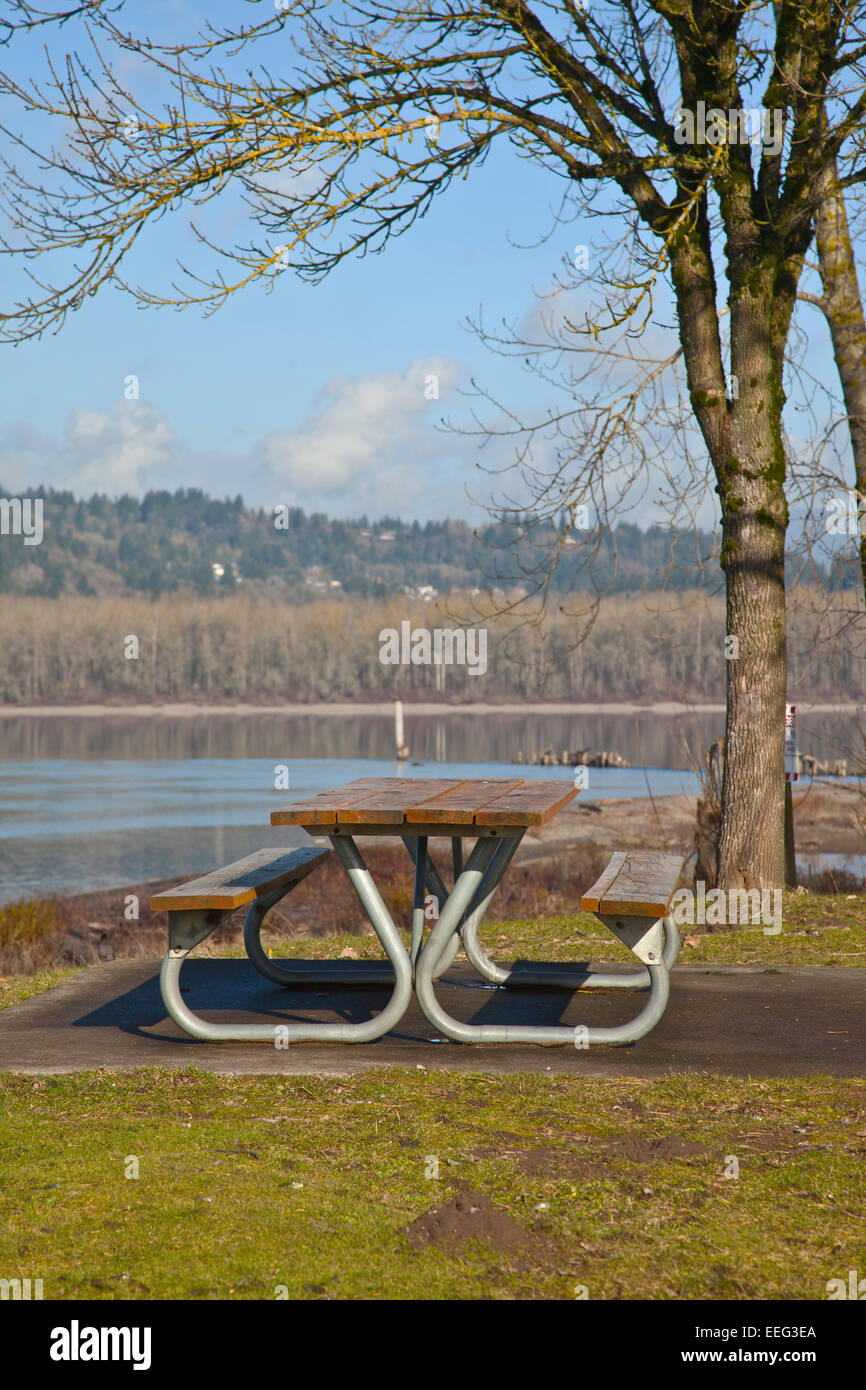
744	439
752	828
754	525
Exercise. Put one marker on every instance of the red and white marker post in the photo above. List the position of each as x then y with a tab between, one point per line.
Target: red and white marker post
792	756
792	774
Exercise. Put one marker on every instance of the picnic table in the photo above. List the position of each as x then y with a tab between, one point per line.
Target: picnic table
632	898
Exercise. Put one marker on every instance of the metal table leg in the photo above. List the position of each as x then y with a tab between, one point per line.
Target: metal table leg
575	979
435	886
418	899
580	1036
295	973
283	1033
475	887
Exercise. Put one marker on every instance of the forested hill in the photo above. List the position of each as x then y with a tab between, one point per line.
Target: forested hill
166	542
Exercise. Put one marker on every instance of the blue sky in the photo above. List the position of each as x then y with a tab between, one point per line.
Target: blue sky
304	360
312	395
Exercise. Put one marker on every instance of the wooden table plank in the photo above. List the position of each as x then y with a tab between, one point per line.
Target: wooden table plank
322	808
459	805
390	806
391	802
532	803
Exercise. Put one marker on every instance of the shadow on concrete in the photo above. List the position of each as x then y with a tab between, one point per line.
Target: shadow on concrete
736	1020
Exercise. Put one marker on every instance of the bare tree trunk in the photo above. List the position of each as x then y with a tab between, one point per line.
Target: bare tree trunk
843	308
752	828
754	524
744	439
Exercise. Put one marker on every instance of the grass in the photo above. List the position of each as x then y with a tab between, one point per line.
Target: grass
253	1187
817	929
14	989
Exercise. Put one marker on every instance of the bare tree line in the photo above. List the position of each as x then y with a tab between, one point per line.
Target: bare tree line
658	647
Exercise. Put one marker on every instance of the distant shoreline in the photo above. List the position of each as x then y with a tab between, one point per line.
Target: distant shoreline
344	709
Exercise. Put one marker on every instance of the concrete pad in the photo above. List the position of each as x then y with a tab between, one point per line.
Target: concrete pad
735	1020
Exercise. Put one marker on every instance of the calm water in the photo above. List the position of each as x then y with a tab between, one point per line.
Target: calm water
88	804
644	739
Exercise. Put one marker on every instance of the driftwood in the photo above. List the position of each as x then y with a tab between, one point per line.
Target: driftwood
581	757
813	767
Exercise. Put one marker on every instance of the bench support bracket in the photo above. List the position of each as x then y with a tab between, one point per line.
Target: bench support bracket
187	928
642	935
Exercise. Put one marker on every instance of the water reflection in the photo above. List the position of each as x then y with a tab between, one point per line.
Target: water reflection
642	739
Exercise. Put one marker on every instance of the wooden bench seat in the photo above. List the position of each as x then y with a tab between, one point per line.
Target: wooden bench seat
633	897
197	908
636	883
242	882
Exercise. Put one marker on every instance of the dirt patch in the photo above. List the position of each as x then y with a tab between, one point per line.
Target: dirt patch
469	1216
633	1106
638	1150
590	1162
785	1142
616	823
556	1163
829	817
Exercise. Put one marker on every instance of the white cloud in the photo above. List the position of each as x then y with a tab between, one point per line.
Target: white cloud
115	452
292	184
371	444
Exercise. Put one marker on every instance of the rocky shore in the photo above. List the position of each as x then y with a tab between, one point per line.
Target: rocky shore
829	818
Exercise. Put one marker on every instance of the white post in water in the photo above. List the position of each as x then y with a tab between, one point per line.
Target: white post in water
402	750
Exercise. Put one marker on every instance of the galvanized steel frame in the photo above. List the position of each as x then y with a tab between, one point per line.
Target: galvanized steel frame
460	914
471	895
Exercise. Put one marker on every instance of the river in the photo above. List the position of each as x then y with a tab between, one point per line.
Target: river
89	803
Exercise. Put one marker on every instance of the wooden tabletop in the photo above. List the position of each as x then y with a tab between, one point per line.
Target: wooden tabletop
409	802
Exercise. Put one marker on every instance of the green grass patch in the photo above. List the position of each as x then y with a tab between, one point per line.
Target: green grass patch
817	929
250	1186
14	989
